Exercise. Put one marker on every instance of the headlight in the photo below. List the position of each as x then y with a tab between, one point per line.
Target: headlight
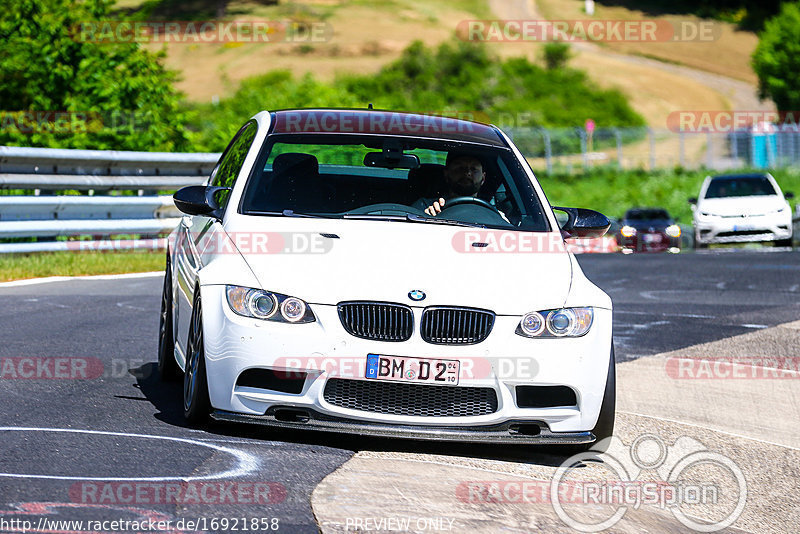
260	304
628	231
566	322
293	309
673	230
532	324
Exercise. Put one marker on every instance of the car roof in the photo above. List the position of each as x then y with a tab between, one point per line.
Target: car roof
381	122
637	211
739	176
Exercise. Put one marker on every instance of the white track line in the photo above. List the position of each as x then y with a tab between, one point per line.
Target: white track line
49	279
246	463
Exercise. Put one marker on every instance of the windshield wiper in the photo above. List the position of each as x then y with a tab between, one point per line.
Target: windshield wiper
285	213
410	217
437	220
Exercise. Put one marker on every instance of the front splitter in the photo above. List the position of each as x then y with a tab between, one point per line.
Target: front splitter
509	432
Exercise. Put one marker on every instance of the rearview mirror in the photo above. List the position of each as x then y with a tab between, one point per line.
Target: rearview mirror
391	160
788	195
582	222
692	200
199	200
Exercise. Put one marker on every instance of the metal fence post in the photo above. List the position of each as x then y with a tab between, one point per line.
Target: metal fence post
652	136
709	152
682	148
618	136
548	154
583	148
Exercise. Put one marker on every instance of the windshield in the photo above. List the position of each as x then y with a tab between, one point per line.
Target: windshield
750	186
647	215
396	178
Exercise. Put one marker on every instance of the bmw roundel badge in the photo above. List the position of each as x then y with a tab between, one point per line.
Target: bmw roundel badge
416	294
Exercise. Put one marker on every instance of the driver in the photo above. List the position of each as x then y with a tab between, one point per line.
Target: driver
463	177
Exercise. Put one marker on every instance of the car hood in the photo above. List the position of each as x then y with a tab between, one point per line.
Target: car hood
756	205
384	260
657	224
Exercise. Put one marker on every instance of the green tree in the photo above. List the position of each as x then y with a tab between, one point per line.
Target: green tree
116	95
776	59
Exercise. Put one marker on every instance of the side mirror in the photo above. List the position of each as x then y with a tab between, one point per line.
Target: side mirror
582	222
199	200
788	195
692	200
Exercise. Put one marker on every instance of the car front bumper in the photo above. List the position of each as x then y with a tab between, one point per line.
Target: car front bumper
769	227
649	242
324	350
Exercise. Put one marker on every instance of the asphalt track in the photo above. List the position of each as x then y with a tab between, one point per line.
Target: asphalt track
65	439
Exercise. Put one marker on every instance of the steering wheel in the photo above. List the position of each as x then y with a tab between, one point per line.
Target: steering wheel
461	201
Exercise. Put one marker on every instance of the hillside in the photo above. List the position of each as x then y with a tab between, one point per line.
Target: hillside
362	36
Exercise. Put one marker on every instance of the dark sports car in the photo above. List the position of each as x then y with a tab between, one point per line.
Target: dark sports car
648	230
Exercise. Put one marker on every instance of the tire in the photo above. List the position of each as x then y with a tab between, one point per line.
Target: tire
604	428
168	370
783	242
196	403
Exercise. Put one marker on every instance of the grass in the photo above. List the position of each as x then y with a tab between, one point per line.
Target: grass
39	264
612	192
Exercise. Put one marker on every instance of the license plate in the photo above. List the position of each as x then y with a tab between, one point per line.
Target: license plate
652	238
405	369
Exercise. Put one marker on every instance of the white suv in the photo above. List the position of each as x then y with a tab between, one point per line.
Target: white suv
740	208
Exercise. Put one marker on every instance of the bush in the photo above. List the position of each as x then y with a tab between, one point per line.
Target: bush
556	55
461	79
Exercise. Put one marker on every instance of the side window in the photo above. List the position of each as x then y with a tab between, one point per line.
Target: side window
226	171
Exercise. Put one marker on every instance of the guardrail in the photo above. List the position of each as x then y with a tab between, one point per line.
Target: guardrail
46	215
149	215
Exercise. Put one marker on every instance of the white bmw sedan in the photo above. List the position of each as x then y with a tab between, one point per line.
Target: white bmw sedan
386	274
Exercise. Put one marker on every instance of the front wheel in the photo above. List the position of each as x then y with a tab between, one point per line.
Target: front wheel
783	242
196	404
168	370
